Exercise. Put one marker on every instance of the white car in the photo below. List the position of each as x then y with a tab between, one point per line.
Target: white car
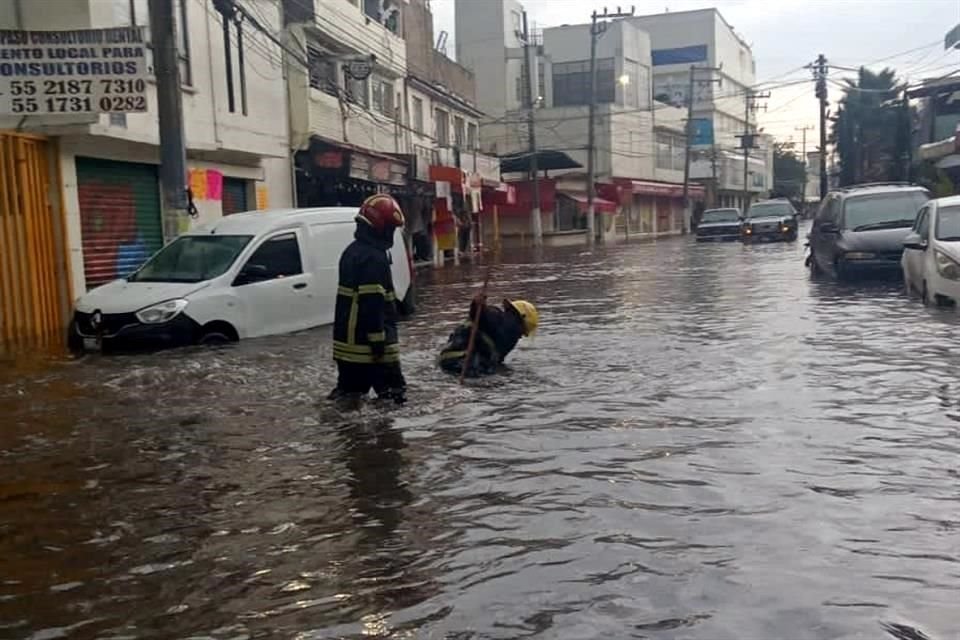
931	254
243	276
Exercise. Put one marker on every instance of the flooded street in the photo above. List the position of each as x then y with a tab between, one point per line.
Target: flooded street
700	442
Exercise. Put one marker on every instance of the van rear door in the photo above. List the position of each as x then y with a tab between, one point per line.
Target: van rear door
327	242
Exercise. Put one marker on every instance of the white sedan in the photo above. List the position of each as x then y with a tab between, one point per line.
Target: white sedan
931	253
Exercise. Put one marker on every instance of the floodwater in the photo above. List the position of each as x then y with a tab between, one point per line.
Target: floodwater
701	442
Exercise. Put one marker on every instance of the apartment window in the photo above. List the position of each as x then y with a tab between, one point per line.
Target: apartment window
383	97
571	82
522	84
417	115
136	13
356	91
459	135
516	20
670	150
386	12
442	118
631	88
471	136
323	71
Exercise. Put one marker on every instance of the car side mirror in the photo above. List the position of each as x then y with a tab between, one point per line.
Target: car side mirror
828	227
914	241
252	273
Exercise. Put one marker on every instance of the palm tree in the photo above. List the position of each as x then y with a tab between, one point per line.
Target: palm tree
866	130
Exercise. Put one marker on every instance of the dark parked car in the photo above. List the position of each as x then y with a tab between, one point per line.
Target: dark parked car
859	231
770	220
719	224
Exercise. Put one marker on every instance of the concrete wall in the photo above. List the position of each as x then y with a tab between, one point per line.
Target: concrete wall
481	42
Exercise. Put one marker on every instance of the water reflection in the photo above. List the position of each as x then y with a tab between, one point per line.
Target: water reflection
701	442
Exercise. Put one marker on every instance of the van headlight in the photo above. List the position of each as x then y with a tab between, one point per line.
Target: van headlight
163	312
947	266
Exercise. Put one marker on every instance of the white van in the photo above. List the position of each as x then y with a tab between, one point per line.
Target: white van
243	276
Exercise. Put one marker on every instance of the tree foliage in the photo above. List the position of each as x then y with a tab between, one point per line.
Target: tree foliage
788	173
871	129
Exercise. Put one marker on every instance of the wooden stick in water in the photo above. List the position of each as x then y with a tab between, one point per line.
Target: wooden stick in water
475	326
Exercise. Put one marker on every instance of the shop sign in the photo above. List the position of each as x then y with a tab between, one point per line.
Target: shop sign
363	167
329	159
66	72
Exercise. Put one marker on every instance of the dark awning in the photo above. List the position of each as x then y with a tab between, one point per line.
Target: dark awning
546	161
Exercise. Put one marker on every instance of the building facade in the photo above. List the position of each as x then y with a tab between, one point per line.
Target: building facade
377	109
107	165
703	38
638	144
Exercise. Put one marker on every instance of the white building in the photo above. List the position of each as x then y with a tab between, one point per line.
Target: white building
238	157
703	38
638	157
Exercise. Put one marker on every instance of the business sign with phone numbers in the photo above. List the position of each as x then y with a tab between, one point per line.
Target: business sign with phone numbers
73	72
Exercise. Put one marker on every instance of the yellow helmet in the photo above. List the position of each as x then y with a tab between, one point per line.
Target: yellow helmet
529	314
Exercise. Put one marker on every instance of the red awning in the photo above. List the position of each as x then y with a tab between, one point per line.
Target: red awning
662	189
599	204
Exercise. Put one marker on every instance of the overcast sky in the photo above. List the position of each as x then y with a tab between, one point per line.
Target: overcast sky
787	34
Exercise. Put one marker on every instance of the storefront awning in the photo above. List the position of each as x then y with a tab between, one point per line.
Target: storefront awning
662	189
546	161
344	160
599	204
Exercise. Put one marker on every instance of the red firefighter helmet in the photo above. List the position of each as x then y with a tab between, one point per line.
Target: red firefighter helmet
381	212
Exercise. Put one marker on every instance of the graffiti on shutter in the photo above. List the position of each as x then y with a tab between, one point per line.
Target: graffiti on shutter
119	216
234	196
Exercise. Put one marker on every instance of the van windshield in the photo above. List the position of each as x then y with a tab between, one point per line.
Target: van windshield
192	259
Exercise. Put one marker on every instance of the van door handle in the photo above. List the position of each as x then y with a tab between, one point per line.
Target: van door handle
300	285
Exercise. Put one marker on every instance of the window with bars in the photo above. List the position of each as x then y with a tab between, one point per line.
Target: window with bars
442	119
571	82
383	97
137	13
418	115
670	151
357	91
459	131
323	71
472	136
521	85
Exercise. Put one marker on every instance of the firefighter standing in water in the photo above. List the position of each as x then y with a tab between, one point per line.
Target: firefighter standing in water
498	332
365	340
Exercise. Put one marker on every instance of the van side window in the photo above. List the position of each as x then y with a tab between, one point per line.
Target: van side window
278	257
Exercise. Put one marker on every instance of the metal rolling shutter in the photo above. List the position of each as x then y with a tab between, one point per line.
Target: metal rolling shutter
119	216
234	196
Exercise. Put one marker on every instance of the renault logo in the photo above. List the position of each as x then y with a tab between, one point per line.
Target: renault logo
96	320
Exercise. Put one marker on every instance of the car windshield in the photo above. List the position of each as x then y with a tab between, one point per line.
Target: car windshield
192	259
883	210
764	209
721	215
948	223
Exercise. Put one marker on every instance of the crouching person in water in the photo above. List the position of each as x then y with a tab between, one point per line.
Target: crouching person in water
498	332
365	340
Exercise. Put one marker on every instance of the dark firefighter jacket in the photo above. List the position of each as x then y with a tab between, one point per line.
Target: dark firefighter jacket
366	311
498	332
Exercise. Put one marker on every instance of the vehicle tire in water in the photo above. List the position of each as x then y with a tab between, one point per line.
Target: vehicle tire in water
216	337
925	294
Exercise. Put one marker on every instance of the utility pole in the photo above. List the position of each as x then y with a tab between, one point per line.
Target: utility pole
820	74
173	155
747	140
688	131
597	29
530	51
803	146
